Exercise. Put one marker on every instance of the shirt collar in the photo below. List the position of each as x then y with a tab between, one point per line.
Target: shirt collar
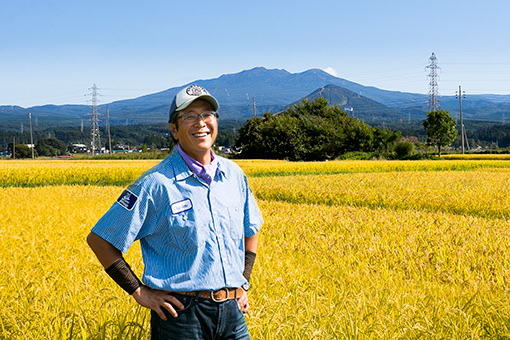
181	170
205	172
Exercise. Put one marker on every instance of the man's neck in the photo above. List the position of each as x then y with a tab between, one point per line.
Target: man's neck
203	158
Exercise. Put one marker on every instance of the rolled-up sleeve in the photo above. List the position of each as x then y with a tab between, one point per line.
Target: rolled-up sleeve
121	224
253	219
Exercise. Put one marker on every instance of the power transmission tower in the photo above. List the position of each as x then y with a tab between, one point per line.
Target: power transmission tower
433	88
95	143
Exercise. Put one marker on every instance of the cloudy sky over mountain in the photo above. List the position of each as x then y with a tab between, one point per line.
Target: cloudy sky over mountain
53	51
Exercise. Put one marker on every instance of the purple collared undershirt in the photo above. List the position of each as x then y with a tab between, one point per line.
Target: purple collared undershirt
205	172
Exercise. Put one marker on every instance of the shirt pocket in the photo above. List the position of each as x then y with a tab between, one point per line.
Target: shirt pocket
184	231
236	216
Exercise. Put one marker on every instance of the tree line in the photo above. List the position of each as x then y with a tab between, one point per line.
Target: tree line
310	130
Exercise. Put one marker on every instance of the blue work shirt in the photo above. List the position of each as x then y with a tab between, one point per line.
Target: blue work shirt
191	234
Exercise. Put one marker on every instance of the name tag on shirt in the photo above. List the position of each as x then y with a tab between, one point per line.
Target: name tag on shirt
181	206
127	200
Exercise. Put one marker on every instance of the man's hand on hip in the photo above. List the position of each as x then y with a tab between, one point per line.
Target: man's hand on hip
157	300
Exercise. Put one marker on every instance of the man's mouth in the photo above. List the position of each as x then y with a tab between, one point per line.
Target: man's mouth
200	134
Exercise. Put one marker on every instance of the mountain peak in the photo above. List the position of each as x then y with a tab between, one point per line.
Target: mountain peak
258	72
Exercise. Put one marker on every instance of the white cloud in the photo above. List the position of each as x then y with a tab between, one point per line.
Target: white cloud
331	71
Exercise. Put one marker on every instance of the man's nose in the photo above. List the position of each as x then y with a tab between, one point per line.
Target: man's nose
200	121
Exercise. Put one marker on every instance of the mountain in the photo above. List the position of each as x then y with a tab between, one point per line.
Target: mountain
359	106
271	90
12	117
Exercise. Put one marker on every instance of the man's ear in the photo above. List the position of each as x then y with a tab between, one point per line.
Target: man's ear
173	130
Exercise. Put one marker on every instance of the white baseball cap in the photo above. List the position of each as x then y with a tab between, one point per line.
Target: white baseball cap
188	95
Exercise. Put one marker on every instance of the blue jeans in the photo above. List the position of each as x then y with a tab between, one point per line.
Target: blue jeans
201	319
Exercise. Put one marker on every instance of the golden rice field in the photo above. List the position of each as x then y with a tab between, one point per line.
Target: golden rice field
349	250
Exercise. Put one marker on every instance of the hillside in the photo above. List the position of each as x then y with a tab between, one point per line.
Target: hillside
359	106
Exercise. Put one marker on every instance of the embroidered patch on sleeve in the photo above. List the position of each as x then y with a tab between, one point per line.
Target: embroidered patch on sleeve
181	206
127	199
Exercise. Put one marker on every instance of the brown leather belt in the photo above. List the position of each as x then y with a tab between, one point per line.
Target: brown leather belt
219	295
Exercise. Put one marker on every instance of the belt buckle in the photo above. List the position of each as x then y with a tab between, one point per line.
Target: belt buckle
226	297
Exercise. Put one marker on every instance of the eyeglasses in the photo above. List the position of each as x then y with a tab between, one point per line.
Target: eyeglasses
194	117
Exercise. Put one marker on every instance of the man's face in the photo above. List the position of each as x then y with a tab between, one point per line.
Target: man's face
197	136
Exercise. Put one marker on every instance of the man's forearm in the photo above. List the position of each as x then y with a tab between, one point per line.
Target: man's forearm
113	262
249	261
121	273
250	253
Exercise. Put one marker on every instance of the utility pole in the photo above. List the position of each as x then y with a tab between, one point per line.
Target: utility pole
31	137
254	108
108	127
460	94
433	87
13	147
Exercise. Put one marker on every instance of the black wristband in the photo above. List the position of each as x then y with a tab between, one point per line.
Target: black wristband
121	273
249	260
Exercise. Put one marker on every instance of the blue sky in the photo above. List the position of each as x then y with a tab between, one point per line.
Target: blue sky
53	51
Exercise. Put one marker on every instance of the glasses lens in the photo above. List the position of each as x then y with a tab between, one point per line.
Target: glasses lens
190	117
208	116
193	117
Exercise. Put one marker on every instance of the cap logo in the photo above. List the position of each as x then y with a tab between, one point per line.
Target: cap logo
196	90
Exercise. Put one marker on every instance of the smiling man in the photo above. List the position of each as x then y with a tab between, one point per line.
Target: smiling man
197	222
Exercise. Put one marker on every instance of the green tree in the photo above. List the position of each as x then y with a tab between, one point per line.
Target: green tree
308	131
440	127
250	137
384	140
23	151
51	147
404	149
